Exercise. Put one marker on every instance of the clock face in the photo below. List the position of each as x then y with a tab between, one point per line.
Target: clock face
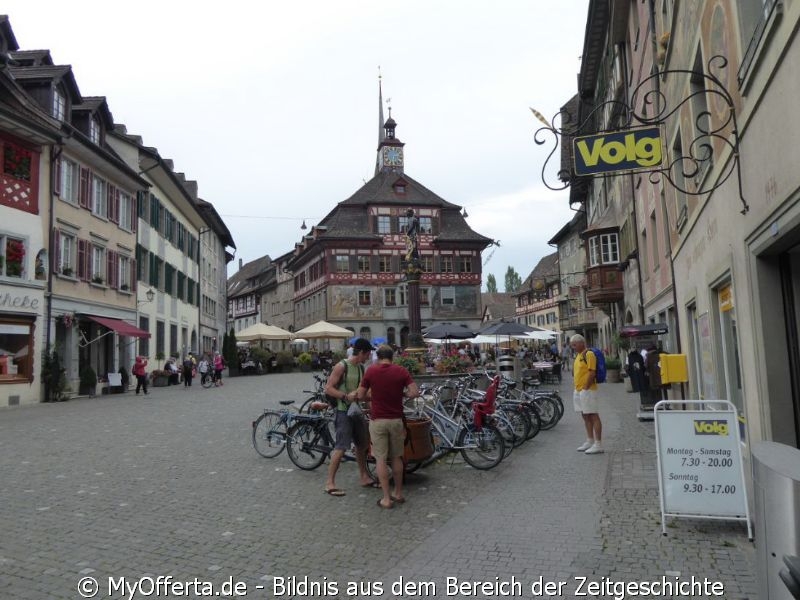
393	156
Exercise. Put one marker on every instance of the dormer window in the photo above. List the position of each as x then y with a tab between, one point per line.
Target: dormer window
59	105
399	188
94	130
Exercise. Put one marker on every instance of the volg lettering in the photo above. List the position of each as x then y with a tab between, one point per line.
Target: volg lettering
706	427
604	153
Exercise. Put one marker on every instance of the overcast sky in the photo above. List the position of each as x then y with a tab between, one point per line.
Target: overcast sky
272	107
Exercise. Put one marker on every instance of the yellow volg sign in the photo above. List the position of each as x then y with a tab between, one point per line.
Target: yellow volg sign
632	149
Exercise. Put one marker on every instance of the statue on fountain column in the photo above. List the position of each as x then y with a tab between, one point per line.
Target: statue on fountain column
412	243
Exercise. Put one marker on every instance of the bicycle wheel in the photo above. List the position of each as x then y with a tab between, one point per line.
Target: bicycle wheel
518	417
548	411
535	421
269	434
303	442
506	429
482	449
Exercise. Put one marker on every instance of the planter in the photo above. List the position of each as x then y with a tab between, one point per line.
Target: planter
160	381
613	376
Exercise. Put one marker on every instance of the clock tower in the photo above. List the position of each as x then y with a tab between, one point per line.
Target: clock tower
390	149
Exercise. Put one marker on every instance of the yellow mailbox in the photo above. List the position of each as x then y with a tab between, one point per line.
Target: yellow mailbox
674	368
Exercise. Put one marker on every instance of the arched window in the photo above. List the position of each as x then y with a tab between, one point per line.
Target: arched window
365	332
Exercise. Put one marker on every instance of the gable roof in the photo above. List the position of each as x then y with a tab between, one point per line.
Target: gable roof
349	220
498	305
248	278
545	272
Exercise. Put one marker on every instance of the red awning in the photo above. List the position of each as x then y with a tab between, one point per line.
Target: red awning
120	326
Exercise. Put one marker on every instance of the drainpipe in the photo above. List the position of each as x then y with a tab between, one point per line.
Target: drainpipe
55	153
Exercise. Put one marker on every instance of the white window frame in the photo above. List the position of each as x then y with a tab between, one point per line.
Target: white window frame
99	200
123	272
390	293
70	181
125	211
342	263
97	266
384	224
385	264
604	249
4	238
67	246
94	130
465	264
446	264
426	224
59	105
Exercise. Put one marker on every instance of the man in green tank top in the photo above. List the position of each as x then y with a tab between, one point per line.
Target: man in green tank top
342	385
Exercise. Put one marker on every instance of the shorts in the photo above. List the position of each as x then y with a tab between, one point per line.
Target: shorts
585	401
388	437
349	430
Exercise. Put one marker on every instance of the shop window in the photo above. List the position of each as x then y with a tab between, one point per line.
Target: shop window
16	350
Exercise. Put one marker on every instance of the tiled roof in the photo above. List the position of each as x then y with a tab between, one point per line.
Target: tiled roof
499	304
380	190
246	279
546	270
32	57
350	220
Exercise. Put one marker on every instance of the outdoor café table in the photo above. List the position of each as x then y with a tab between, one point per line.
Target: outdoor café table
542	365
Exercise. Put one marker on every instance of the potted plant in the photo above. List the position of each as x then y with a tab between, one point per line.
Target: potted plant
66	271
231	354
160	357
88	381
613	367
124	287
411	364
285	361
304	361
159	377
53	377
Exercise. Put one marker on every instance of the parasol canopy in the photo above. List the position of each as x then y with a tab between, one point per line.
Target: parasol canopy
262	331
323	329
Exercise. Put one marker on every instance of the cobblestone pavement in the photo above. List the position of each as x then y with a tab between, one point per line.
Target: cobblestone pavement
169	485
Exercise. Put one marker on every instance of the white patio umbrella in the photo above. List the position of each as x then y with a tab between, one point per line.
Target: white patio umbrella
262	331
323	329
537	335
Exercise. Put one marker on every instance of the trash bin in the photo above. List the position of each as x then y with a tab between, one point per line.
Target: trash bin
505	364
776	491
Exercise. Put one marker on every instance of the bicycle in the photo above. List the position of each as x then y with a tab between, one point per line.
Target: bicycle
309	441
210	379
270	430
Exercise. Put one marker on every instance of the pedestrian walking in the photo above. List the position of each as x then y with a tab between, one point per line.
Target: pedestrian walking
188	371
219	364
139	369
388	383
203	368
584	398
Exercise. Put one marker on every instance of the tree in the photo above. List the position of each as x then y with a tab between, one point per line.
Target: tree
491	284
513	280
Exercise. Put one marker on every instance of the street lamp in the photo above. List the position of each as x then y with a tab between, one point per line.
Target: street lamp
150	295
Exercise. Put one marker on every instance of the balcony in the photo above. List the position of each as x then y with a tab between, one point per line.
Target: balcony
581	318
604	284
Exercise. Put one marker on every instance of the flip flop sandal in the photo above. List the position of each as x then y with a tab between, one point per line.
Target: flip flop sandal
385	507
398	500
335	492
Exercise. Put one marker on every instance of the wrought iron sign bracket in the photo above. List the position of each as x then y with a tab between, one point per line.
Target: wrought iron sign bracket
715	130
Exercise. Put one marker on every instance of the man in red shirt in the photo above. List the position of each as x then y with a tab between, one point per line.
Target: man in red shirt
387	382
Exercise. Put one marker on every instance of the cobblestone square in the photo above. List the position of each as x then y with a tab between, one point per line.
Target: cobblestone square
169	485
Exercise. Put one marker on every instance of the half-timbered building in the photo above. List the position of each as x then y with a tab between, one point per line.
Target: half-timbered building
348	269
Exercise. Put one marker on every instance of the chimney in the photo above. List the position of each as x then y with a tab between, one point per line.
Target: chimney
240	263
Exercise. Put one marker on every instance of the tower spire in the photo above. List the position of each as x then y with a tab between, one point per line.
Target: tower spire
381	132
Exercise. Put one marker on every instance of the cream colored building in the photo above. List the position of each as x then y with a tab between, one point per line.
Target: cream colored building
167	254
